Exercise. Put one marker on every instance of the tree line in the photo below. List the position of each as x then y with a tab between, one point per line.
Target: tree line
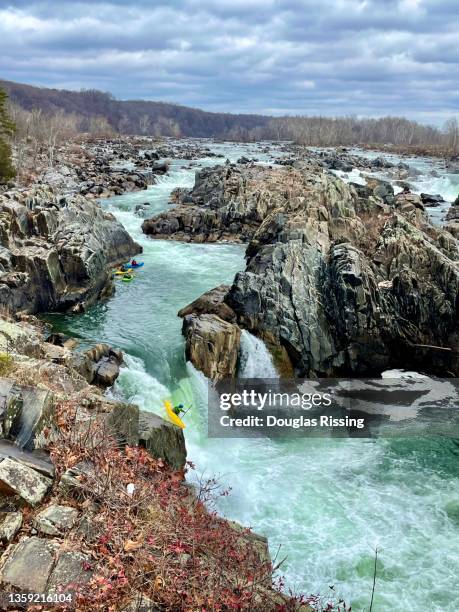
35	125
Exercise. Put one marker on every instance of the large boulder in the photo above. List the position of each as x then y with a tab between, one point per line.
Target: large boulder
26	414
212	345
106	362
162	439
57	250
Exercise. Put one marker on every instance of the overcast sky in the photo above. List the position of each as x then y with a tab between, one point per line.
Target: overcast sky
333	57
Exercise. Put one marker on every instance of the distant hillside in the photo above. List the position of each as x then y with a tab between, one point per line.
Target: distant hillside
100	113
133	116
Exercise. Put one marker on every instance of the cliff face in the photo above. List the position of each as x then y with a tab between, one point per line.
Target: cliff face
339	278
56	250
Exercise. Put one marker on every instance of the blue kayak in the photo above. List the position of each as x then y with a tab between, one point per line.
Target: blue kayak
138	265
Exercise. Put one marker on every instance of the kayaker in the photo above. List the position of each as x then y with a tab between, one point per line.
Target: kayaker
124	268
178	409
133	262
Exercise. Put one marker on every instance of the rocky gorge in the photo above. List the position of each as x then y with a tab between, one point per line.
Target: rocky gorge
64	438
341	279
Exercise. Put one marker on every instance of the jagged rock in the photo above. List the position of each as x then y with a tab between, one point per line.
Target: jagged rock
227	203
26	566
55	520
17	479
19	338
381	189
162	439
211	302
60	250
339	293
432	200
106	364
10	523
62	340
212	345
123	421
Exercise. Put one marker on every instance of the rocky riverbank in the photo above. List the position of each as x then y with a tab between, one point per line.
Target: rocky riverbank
90	488
95	507
340	279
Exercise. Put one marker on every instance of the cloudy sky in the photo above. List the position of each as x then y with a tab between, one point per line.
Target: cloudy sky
332	57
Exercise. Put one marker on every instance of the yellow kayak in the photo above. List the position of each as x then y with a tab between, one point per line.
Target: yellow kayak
121	273
172	416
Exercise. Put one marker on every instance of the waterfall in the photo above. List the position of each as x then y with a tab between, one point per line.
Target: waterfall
255	361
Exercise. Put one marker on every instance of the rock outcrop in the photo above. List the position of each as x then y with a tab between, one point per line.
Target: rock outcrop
212	345
343	280
227	203
56	251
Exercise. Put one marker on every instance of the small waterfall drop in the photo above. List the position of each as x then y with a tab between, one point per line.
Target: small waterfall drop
255	361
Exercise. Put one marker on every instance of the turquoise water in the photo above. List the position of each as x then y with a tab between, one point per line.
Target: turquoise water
327	503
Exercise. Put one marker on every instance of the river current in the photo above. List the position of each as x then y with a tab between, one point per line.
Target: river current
327	503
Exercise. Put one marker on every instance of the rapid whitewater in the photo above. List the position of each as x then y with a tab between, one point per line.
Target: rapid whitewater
327	503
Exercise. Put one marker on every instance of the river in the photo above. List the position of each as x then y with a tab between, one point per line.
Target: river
326	503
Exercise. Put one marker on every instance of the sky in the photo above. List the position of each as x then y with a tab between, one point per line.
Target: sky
328	57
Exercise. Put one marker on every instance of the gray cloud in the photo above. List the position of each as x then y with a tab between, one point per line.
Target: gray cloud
364	57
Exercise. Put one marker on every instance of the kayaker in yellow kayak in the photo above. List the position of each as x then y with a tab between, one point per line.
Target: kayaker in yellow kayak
174	412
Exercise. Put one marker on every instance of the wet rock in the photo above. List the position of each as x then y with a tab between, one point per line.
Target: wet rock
10	523
162	439
432	200
160	167
381	189
212	345
55	520
336	163
17	479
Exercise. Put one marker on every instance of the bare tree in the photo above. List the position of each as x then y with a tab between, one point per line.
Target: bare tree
452	134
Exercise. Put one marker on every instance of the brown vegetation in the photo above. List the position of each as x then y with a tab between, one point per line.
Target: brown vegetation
155	538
